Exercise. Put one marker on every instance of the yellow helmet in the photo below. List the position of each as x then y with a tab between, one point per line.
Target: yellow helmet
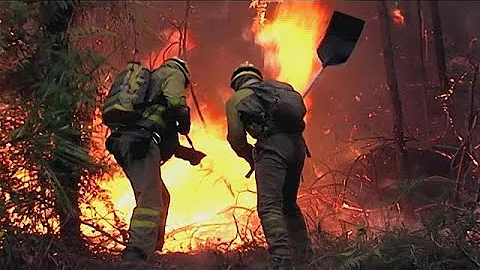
183	66
245	68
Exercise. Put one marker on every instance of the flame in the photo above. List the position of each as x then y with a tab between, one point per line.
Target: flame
261	10
397	16
207	201
28	182
290	39
213	202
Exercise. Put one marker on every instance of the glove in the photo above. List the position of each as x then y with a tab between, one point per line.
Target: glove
183	120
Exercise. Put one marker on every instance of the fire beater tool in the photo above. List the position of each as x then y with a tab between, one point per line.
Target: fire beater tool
342	35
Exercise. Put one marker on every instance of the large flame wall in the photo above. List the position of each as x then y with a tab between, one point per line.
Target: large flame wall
290	39
209	201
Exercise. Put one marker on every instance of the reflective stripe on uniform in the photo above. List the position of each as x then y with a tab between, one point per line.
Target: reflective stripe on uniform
146	211
272	218
273	223
138	223
144	217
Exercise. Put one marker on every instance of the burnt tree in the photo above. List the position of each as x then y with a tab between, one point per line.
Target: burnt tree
398	132
438	46
421	46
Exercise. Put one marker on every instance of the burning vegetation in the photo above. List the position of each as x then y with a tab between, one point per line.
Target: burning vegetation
64	201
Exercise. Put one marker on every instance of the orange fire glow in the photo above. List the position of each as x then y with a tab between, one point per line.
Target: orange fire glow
209	201
290	41
397	16
206	200
171	36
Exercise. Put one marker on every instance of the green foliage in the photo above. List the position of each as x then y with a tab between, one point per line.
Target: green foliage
448	240
60	90
53	89
77	33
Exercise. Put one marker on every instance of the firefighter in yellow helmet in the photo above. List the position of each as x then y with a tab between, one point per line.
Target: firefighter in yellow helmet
140	155
278	160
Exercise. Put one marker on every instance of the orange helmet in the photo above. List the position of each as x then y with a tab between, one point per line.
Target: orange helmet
245	69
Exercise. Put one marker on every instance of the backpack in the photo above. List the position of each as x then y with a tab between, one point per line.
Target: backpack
283	107
126	98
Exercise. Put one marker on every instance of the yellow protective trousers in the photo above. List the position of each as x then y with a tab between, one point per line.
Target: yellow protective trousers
147	225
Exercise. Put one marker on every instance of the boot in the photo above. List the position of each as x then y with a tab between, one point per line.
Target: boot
300	242
133	254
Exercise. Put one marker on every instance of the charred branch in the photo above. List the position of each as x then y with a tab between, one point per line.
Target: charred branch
183	53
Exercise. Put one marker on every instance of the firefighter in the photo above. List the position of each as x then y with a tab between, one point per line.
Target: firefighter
278	160
138	151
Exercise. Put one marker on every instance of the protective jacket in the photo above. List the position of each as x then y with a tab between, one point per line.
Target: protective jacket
237	130
278	160
171	106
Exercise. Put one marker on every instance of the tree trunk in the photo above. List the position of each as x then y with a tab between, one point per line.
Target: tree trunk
438	46
425	83
385	27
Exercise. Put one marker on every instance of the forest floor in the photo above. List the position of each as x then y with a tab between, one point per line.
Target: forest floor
431	233
208	260
452	245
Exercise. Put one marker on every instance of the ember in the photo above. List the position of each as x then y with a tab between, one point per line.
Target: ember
397	16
